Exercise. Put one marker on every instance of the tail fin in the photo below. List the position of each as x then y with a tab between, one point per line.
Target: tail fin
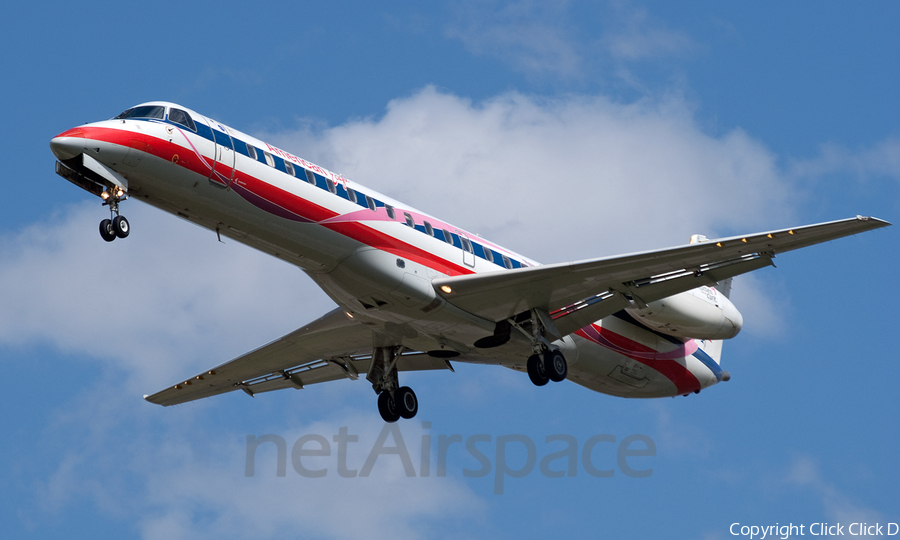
723	286
712	348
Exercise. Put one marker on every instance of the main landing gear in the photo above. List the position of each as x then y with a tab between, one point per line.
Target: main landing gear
547	366
401	403
394	401
547	363
117	226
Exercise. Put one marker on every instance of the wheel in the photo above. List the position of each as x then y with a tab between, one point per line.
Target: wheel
106	230
387	408
556	365
120	226
536	370
406	401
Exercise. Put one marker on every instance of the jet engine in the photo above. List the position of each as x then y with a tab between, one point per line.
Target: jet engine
702	313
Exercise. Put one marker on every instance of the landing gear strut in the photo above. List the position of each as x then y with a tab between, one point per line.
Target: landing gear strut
117	226
394	401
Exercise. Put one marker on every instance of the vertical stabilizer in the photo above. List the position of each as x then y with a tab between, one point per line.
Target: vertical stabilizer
713	348
724	286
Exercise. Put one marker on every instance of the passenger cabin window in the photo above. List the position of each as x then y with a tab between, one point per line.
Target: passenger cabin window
370	202
489	255
310	177
448	237
429	229
331	187
351	195
251	151
182	118
269	159
289	168
409	219
390	210
507	263
466	244
144	111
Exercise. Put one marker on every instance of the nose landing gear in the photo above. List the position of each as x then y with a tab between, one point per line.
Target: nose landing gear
117	226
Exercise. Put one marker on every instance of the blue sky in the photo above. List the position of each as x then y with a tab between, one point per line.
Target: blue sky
565	132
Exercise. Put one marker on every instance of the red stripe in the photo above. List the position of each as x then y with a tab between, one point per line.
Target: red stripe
302	207
684	381
385	242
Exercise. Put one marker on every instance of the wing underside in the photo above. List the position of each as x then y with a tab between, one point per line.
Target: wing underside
572	294
578	293
331	348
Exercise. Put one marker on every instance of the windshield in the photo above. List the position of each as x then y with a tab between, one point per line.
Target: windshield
144	111
182	117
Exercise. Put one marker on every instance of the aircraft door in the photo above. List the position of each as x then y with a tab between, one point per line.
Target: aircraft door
207	149
468	251
222	172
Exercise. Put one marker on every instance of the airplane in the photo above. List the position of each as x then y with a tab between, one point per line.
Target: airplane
415	292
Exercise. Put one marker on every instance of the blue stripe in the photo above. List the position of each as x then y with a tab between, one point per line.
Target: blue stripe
707	360
214	135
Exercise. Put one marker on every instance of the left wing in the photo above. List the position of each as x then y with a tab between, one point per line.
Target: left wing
575	294
330	348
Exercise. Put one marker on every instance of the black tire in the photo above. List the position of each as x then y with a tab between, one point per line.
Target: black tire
106	230
556	365
387	408
120	226
536	370
407	402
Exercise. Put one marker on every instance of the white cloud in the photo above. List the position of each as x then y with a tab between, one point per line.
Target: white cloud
638	37
182	475
165	302
839	508
549	39
531	36
760	305
560	179
386	504
881	159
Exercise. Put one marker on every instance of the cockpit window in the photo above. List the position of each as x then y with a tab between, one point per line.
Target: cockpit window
144	111
182	118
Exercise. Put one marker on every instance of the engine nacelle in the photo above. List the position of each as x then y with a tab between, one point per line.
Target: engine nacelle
701	313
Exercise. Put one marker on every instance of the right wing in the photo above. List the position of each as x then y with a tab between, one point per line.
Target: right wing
330	348
575	294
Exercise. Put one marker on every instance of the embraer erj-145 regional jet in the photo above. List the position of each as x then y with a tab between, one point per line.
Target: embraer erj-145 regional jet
413	291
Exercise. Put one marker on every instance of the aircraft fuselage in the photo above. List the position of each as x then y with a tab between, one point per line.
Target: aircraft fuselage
377	257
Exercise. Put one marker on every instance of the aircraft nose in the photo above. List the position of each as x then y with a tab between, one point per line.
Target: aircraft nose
67	145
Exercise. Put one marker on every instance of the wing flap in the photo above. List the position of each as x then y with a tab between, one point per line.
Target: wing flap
500	295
